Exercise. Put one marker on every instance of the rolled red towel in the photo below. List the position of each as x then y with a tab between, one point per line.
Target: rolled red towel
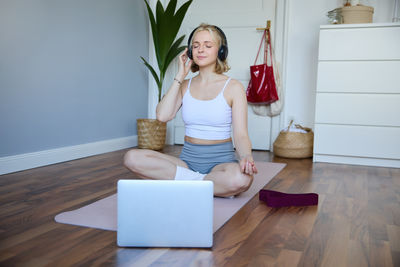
278	199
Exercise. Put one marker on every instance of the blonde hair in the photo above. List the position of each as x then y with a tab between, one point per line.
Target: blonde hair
220	66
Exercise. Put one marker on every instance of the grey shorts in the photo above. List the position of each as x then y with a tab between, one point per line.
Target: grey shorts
202	158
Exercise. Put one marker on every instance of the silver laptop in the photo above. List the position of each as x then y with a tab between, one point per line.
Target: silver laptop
154	213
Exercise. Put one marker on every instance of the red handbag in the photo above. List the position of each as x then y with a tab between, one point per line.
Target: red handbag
262	87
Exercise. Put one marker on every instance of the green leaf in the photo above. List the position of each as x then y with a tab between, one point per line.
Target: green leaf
159	12
162	21
179	16
173	52
170	10
154	31
169	36
153	72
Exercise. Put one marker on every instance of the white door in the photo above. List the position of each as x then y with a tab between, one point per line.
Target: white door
239	20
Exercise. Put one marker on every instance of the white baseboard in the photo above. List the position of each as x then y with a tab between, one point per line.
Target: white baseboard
47	157
376	162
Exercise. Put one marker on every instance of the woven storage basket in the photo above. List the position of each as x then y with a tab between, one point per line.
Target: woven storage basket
294	144
357	14
151	133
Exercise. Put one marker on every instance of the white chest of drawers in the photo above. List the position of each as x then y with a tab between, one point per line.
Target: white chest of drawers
357	113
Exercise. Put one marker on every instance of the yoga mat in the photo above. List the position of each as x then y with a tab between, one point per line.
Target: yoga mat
102	214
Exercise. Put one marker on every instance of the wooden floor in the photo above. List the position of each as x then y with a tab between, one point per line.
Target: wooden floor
357	222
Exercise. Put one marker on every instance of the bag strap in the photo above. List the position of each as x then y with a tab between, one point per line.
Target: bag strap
273	61
268	46
259	49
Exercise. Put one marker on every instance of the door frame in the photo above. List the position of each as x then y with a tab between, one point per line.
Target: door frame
280	44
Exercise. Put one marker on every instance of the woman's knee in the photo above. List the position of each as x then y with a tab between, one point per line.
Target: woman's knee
133	158
240	182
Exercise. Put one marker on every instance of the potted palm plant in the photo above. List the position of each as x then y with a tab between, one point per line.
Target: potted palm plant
165	26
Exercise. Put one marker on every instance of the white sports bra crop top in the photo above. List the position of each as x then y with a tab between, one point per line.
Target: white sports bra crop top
207	119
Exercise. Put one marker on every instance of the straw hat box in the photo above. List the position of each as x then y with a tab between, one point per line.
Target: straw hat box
357	14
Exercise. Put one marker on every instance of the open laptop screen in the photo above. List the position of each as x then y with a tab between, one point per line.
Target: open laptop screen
158	213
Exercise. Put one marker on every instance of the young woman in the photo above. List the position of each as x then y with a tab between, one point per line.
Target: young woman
211	102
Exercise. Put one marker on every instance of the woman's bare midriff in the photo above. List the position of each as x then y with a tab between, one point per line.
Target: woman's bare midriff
198	141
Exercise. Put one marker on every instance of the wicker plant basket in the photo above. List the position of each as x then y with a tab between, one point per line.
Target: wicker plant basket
294	144
151	133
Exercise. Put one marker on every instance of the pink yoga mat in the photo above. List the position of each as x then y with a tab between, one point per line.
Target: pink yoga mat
102	214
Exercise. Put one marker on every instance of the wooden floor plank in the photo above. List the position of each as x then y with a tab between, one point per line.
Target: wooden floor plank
302	229
288	258
380	254
394	237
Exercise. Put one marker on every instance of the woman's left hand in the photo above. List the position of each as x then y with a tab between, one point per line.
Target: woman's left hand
247	165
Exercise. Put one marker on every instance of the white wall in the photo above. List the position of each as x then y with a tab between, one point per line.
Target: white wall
304	19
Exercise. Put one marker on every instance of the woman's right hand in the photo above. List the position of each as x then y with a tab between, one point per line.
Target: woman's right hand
184	65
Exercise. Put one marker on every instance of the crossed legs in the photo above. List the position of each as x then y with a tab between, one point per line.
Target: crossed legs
148	164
